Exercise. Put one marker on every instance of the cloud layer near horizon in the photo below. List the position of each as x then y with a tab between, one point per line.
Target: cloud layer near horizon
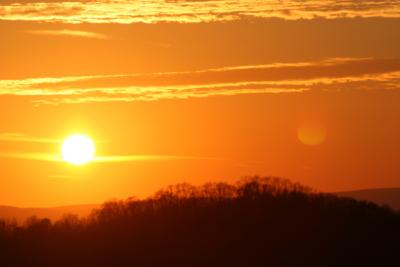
332	74
153	11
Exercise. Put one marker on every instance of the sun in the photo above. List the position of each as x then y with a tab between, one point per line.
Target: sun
78	149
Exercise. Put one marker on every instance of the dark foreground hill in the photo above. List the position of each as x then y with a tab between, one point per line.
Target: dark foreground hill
258	222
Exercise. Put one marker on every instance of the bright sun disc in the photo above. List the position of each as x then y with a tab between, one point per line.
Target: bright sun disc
78	150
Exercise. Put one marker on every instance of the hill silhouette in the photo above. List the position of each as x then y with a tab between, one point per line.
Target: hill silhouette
381	196
54	213
256	222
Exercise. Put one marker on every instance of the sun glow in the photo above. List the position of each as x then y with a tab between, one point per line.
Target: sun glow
78	149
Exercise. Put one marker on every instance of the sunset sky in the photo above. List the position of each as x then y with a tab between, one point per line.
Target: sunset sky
196	91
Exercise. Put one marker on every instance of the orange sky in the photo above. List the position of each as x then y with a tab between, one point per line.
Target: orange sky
197	91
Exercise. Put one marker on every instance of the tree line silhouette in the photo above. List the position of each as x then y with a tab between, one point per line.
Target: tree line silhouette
259	221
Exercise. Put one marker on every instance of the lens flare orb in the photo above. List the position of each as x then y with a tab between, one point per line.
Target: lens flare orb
312	134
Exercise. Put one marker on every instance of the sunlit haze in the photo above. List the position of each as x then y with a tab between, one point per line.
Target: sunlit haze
112	99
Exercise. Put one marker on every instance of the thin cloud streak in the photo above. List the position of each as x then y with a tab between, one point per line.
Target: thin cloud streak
165	96
154	11
19	137
31	156
60	177
330	74
72	33
129	158
48	157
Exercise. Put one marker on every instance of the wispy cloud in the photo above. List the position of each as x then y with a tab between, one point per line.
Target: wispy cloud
129	158
51	157
31	156
72	33
57	157
153	11
330	74
19	137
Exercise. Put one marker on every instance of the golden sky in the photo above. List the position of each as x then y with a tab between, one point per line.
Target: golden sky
196	91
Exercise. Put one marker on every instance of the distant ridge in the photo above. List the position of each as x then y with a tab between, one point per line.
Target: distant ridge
381	196
21	214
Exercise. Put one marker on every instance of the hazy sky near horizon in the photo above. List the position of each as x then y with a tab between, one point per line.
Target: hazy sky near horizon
197	91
